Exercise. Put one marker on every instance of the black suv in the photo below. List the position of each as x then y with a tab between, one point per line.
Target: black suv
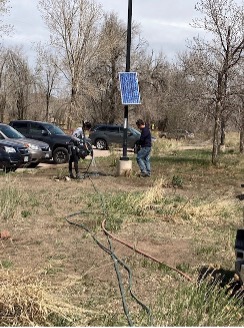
103	135
49	133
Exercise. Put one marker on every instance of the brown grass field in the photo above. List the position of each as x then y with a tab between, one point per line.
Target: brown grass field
185	216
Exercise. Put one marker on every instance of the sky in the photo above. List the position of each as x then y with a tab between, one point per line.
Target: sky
165	24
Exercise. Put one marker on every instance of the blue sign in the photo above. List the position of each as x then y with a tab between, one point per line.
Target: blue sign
129	88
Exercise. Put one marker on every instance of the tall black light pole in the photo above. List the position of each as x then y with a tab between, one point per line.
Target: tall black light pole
125	157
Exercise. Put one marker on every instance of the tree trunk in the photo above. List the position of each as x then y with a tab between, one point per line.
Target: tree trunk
2	107
20	105
217	123
47	107
72	108
113	92
223	134
242	131
215	152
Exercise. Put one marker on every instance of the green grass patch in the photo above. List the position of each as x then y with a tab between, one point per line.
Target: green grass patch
10	199
197	305
6	264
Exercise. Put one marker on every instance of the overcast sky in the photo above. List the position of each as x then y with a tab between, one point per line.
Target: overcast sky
165	24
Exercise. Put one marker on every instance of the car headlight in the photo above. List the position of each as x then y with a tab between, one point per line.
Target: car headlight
9	149
33	147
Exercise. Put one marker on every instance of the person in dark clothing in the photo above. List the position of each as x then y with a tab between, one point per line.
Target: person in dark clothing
143	155
78	149
74	157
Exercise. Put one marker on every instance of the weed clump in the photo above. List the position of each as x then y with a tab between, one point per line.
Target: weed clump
10	198
198	305
24	301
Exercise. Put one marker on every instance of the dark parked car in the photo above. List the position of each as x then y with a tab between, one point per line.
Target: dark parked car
177	134
50	133
103	135
13	155
39	150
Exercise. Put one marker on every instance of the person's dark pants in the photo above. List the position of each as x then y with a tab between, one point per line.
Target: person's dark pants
73	158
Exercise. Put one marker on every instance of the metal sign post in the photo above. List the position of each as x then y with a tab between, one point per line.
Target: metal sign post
125	157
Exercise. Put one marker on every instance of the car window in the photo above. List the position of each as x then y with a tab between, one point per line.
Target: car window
54	129
10	132
22	127
101	128
114	129
36	129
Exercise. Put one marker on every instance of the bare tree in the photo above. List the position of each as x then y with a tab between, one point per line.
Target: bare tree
3	83
105	103
47	73
4	9
224	19
20	82
237	101
153	81
242	124
4	29
73	32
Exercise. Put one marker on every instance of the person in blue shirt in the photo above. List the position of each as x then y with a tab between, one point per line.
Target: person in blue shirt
143	155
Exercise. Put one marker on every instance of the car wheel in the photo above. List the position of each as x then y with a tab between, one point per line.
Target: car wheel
101	144
60	155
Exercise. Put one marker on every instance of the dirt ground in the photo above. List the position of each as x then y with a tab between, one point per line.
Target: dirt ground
69	259
157	243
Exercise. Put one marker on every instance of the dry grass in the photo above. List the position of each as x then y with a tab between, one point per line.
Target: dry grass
72	281
26	301
164	146
10	199
232	140
154	195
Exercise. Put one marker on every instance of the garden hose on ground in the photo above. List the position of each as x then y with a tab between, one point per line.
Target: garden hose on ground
116	261
133	247
143	253
110	251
